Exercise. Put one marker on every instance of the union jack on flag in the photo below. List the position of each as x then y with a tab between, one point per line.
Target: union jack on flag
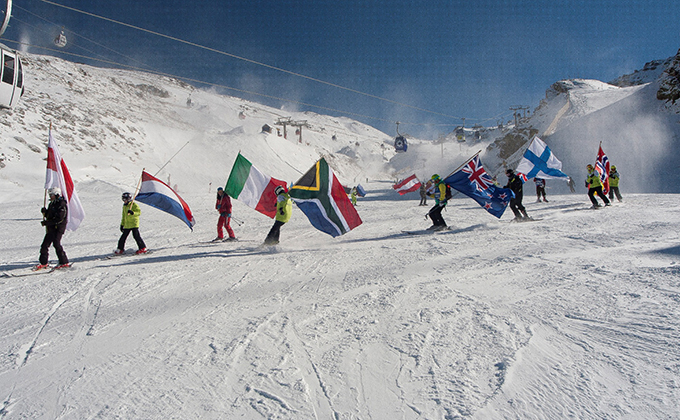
473	181
477	174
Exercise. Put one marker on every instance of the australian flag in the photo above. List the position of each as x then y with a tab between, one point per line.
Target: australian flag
473	181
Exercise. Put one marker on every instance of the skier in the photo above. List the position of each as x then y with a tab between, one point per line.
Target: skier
594	186
614	184
284	208
423	195
435	212
517	186
223	205
540	189
353	196
55	219
130	223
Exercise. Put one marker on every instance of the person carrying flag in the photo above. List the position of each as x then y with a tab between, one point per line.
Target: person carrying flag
55	219
614	184
284	209
130	223
517	186
594	185
435	212
223	205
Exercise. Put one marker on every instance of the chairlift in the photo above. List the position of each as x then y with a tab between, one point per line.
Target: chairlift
11	70
60	40
400	143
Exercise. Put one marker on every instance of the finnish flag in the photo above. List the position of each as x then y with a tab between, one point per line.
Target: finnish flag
539	161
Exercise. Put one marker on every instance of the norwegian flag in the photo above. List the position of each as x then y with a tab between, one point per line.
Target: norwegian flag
473	181
58	176
602	167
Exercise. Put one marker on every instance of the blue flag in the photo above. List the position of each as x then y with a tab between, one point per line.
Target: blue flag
473	181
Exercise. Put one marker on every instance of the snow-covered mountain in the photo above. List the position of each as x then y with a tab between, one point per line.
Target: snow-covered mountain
110	124
573	315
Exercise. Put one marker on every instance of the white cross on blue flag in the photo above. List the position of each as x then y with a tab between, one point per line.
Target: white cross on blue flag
539	161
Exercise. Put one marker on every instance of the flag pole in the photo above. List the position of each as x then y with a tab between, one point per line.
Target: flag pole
137	189
48	162
173	156
464	163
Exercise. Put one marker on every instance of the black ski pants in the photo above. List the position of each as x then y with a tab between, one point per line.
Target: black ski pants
52	237
135	234
598	190
436	215
273	235
517	207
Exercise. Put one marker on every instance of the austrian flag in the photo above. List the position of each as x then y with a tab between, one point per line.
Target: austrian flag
408	185
58	176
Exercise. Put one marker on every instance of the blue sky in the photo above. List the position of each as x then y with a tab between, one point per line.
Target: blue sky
471	59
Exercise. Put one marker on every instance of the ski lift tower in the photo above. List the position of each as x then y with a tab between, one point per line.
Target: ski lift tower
284	121
299	125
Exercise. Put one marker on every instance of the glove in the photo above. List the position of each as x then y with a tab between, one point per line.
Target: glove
131	213
225	214
43	210
43	222
121	228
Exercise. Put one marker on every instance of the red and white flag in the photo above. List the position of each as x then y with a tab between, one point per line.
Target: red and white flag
58	176
408	185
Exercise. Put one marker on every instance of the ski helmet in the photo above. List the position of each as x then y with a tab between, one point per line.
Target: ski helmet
435	177
509	171
220	189
613	167
126	196
56	191
279	190
589	167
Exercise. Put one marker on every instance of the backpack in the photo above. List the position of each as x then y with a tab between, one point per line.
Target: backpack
448	192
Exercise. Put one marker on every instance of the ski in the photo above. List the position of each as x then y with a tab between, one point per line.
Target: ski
127	254
33	272
425	231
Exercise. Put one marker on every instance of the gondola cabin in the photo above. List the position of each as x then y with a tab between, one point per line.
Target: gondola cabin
11	78
400	144
60	41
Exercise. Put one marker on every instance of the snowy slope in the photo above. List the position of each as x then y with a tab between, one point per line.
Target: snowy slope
572	316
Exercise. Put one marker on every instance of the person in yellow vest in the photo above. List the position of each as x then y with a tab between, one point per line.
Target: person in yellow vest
353	196
594	186
614	184
284	209
130	223
440	200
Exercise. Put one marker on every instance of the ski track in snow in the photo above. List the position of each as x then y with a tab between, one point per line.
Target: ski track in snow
571	316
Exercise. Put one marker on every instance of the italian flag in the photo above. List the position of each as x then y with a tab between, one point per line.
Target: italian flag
253	188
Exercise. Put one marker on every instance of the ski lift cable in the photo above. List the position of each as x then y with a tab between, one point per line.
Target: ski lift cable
78	36
193	44
188	79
